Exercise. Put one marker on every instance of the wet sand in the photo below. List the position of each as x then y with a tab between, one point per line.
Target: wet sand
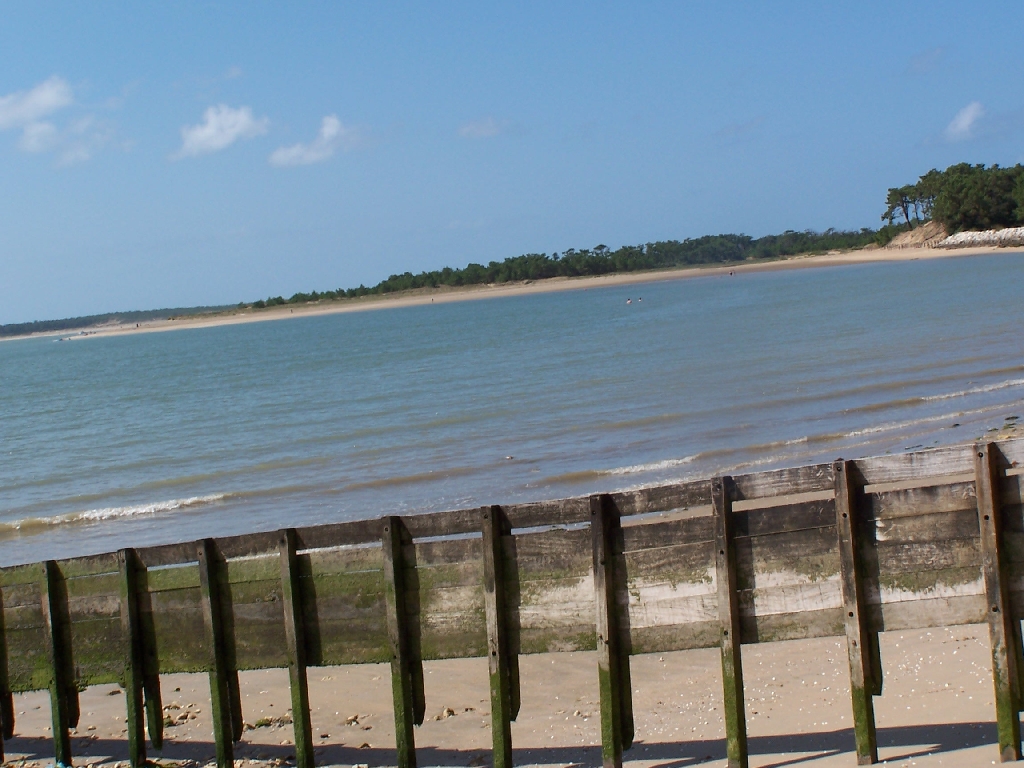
444	295
936	710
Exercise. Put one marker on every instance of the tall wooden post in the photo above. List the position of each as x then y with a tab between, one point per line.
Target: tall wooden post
858	635
612	657
729	616
406	669
295	636
218	663
128	565
6	697
63	692
501	660
1004	631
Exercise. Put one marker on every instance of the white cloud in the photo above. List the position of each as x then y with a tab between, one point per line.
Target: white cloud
38	137
333	136
485	128
83	138
962	126
222	126
30	111
22	108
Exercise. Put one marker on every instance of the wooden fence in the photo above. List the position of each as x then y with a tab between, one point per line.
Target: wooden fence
849	548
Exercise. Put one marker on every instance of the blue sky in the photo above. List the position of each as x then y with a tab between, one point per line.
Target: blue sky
158	155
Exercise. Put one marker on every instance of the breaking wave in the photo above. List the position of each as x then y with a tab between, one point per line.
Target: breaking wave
30	525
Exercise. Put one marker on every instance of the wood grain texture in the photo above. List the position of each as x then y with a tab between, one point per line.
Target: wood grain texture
729	618
1004	631
859	638
612	655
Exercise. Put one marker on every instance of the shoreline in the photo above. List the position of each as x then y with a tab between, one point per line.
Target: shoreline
444	295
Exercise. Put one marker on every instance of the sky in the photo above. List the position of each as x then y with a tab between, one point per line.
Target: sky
178	154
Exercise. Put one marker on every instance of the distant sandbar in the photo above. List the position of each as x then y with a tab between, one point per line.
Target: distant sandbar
445	294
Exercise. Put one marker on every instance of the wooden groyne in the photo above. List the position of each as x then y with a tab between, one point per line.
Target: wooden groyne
848	548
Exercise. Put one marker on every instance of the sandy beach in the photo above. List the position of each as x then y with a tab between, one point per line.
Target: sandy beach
936	710
444	295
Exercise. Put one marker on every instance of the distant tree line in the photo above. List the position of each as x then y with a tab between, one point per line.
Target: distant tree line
91	321
962	197
601	260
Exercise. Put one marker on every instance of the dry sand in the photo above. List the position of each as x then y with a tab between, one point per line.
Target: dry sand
444	295
937	710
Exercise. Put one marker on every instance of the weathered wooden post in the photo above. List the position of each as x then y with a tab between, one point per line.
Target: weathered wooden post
612	657
128	566
501	661
729	616
295	636
63	692
406	667
6	697
223	679
859	640
1004	630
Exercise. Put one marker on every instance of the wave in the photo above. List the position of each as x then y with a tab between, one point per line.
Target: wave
920	399
30	525
978	390
747	457
655	466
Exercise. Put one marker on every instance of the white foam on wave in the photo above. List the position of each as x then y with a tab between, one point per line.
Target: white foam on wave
112	513
976	390
653	467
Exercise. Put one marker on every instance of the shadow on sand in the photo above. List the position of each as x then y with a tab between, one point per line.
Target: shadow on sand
908	741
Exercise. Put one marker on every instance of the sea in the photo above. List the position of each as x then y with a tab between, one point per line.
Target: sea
108	442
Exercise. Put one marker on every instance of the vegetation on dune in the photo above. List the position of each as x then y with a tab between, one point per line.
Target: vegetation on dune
601	260
962	197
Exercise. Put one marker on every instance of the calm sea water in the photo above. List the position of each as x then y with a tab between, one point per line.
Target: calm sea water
111	442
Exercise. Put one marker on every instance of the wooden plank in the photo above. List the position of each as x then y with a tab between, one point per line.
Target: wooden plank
218	663
774	627
859	640
786	518
662	533
544	513
664	498
63	692
782	482
810	553
15	575
503	665
338	534
549	554
406	667
1004	631
678	564
612	658
919	467
729	616
134	656
89	565
925	500
296	644
927	613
